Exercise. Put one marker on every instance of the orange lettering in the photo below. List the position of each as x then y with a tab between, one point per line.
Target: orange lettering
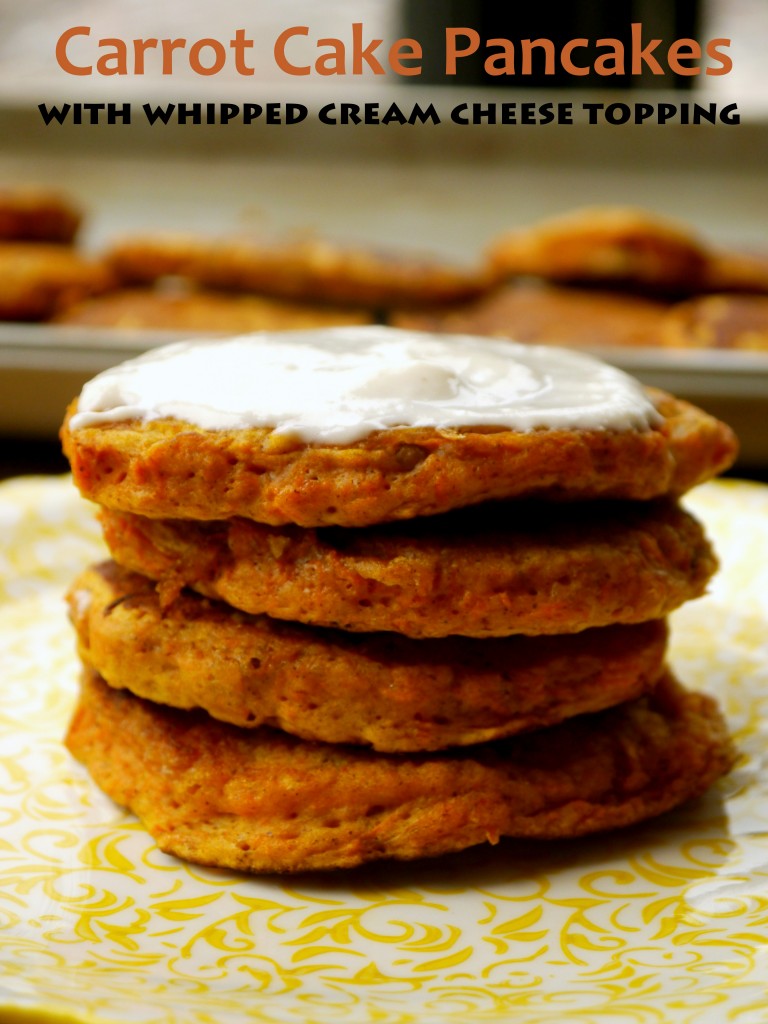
726	64
452	50
405	49
116	62
677	53
282	61
61	51
565	57
219	56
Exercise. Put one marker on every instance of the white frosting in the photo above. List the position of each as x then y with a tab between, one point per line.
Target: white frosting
340	384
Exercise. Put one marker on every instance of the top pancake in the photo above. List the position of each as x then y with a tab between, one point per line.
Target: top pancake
170	469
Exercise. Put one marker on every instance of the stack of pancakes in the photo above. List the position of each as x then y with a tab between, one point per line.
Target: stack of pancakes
312	655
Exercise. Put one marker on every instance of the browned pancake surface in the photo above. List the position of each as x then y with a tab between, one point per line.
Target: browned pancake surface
547	314
384	690
37	214
614	246
493	570
729	322
260	800
167	468
307	268
145	308
37	279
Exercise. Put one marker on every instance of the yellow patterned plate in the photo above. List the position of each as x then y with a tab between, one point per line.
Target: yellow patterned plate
667	922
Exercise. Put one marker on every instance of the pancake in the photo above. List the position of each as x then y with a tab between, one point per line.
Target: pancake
384	690
144	259
547	314
729	322
735	270
37	279
169	468
306	268
260	800
492	570
189	311
37	214
605	245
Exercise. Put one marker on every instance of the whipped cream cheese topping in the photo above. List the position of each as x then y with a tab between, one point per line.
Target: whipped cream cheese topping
339	385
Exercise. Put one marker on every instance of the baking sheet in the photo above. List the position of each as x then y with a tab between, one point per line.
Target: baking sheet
52	364
664	922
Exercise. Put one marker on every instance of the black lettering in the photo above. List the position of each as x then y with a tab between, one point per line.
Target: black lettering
421	116
229	111
295	113
153	114
617	113
458	114
189	112
643	111
708	114
593	109
393	114
117	113
730	114
350	113
50	114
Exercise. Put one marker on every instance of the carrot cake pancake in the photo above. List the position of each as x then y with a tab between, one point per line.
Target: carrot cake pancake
360	425
38	278
37	214
726	322
547	314
175	309
381	689
491	570
261	800
616	246
309	269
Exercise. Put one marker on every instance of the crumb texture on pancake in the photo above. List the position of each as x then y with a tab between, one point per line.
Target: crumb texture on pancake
547	314
34	213
309	268
39	278
263	801
718	322
608	245
387	691
202	311
166	468
492	570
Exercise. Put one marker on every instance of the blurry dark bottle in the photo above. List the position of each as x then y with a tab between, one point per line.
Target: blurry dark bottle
426	20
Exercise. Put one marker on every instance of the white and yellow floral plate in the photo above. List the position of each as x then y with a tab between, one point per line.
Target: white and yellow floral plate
666	922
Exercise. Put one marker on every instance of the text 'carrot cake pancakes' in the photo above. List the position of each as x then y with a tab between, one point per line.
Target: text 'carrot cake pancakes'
333	489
